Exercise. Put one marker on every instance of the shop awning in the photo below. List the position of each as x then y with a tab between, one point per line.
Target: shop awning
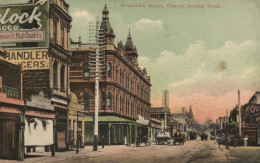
108	119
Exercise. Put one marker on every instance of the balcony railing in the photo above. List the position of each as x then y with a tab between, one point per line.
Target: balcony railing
11	92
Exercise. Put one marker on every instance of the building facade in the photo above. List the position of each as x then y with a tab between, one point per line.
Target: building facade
45	60
124	90
11	111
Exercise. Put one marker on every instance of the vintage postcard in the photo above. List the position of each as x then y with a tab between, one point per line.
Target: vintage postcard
130	81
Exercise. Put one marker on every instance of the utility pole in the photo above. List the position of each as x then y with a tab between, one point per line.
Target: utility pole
77	150
96	65
239	108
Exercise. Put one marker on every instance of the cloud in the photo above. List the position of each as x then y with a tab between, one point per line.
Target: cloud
148	26
83	15
143	61
215	71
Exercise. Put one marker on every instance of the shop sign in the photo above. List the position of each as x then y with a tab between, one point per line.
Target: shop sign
39	101
254	109
59	100
26	22
30	59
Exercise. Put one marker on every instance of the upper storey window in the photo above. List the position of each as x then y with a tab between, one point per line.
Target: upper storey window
109	70
55	74
86	69
55	33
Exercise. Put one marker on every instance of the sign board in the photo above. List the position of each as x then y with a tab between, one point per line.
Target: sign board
30	59
254	109
26	25
39	101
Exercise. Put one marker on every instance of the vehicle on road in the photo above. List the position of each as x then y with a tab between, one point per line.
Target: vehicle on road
193	135
204	136
162	137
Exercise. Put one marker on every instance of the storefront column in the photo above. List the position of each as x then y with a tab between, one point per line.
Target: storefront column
21	137
109	134
149	131
136	132
127	135
53	147
67	131
130	135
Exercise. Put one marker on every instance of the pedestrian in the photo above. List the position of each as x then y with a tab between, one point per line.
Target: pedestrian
235	141
228	140
103	141
245	141
219	142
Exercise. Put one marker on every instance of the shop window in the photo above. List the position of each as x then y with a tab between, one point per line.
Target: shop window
55	74
44	125
86	69
86	100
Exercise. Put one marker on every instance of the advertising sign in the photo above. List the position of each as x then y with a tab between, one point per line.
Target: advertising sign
30	59
254	109
25	25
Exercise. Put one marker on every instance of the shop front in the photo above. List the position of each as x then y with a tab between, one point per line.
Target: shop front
11	128
113	130
76	123
39	121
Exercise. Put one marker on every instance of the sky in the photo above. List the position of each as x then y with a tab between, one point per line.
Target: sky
201	55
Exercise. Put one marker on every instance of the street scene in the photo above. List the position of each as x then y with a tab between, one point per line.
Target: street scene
129	81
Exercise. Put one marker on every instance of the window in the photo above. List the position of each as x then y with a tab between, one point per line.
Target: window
103	94
109	70
62	77
86	69
86	100
62	36
109	101
55	74
55	26
44	125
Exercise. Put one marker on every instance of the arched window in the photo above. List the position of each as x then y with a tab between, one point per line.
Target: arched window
109	100
109	68
62	77
55	74
86	100
103	100
86	70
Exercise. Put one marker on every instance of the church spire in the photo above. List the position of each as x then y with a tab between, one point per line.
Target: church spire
190	111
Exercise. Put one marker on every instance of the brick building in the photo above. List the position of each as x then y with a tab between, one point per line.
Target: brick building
45	61
124	90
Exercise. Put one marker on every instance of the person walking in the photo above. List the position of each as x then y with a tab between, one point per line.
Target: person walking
228	140
245	141
235	141
103	141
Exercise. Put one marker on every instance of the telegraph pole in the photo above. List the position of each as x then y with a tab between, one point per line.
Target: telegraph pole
96	64
239	107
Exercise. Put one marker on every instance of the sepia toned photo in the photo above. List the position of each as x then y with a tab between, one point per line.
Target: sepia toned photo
130	81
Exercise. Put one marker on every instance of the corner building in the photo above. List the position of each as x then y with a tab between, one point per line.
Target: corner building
45	62
124	90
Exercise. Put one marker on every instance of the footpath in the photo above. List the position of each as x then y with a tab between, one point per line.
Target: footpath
59	156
